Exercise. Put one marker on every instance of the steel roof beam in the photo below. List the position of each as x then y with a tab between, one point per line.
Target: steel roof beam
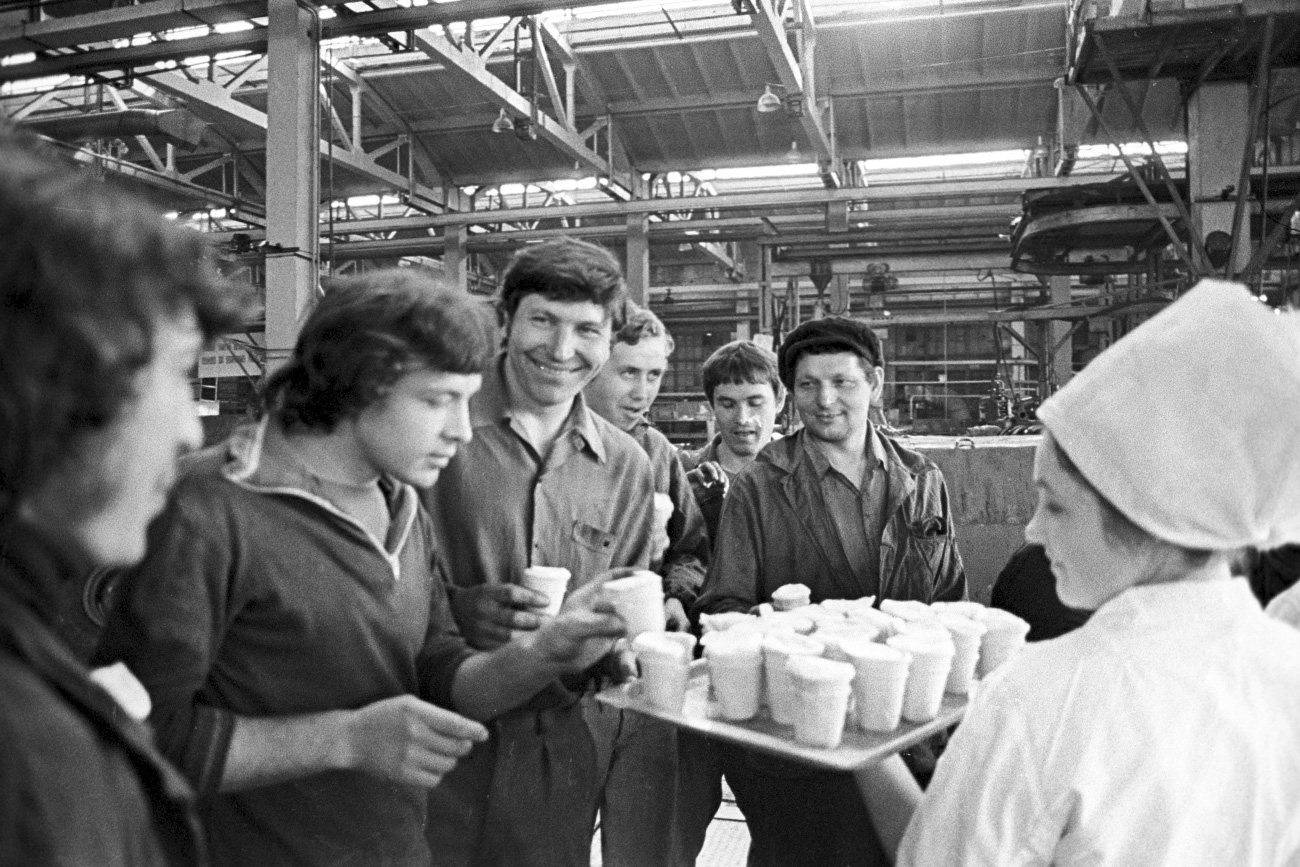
794	74
214	102
472	69
159	16
387	114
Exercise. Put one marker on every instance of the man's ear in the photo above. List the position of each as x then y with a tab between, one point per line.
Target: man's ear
877	383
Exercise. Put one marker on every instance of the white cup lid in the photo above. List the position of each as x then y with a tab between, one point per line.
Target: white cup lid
817	668
961	625
724	621
923	644
636	582
860	648
660	644
548	573
791	592
792	645
909	609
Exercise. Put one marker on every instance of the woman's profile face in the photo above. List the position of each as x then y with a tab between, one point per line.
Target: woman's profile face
1070	525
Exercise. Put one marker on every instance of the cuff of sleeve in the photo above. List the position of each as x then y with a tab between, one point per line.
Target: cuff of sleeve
438	685
204	759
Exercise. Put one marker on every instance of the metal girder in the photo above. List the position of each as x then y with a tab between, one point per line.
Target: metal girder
212	100
794	74
160	16
387	114
174	185
472	69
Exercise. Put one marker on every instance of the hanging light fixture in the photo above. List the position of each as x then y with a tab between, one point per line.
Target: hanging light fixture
769	101
503	123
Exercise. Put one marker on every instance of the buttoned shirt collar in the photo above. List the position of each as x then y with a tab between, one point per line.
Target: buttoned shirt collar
821	464
492	406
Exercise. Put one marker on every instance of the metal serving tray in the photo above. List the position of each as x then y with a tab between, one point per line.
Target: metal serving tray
858	748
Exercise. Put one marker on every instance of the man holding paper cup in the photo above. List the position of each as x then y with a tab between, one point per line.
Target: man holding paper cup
622	394
850	513
545	482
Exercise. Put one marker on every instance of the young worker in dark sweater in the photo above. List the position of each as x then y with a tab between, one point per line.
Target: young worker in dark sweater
291	619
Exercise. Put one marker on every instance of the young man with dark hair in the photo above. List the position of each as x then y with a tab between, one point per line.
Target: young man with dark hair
291	618
850	513
745	393
545	482
638	754
104	306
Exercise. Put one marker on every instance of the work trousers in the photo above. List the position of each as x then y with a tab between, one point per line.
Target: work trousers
636	759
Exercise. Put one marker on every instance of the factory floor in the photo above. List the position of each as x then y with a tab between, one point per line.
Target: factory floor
727	842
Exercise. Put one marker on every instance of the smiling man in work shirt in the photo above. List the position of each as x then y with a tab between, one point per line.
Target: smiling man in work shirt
544	482
849	513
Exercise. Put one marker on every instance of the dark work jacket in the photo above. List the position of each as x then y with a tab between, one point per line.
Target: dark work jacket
80	780
777	529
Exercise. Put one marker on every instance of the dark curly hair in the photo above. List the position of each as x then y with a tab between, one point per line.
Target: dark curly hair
87	275
564	269
364	334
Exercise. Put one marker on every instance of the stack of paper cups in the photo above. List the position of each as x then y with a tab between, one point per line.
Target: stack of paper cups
821	689
879	684
927	676
777	650
639	600
736	674
967	636
1005	636
549	581
665	661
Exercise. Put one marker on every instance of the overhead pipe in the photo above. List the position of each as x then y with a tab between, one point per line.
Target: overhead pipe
177	125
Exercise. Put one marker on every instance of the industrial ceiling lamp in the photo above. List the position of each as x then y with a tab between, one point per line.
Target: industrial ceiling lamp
769	101
503	123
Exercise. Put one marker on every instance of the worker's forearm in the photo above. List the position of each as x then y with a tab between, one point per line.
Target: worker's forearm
267	750
892	796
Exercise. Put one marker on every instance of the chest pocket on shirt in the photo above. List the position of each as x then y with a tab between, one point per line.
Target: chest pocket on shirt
595	545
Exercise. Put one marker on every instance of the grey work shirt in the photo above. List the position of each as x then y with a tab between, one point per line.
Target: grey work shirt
500	507
860	507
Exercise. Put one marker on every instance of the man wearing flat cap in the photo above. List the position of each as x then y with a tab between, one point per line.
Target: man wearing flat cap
849	513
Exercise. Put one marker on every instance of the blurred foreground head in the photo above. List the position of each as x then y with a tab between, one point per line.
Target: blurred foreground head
104	305
1185	434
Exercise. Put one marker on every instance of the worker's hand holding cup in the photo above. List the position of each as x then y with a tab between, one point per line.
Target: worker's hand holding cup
584	630
550	582
639	600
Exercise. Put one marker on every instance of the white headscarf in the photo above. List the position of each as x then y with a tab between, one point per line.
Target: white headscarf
1190	425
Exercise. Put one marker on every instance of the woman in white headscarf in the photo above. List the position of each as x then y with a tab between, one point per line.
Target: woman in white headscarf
1165	731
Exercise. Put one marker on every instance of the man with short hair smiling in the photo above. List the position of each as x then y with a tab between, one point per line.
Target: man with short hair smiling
849	513
545	482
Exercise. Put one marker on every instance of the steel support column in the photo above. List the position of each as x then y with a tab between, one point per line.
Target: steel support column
638	258
1218	120
1062	357
292	173
455	259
